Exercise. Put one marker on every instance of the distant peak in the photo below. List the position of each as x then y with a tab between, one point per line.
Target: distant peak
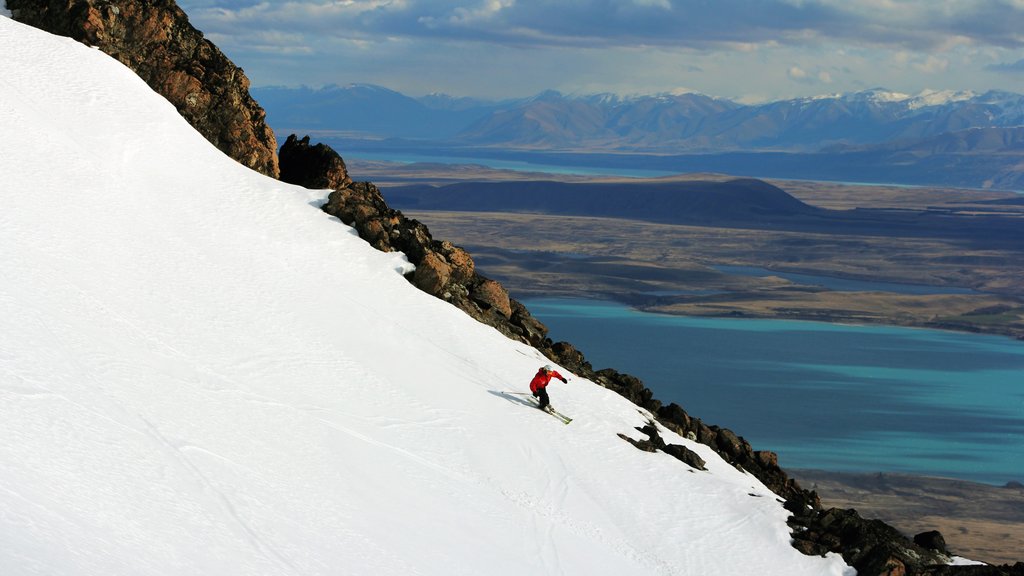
940	97
367	87
548	95
881	95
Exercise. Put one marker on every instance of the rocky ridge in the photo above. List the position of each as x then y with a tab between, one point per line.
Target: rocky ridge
154	38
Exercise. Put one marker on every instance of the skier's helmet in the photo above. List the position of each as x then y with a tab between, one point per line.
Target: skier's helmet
548	368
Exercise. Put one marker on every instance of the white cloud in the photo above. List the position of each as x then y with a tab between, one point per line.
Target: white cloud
932	65
798	74
680	91
786	48
663	4
461	16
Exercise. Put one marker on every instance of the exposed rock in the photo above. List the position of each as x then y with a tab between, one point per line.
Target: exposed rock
493	296
316	167
461	262
432	274
870	546
766	458
730	443
361	206
155	39
629	386
534	331
655	442
567	355
685	455
931	540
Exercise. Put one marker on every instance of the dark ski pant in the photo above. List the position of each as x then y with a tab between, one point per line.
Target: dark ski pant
542	395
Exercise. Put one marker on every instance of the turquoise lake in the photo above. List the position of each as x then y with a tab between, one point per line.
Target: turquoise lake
498	164
824	396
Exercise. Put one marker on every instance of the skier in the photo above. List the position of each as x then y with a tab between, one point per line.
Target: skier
540	382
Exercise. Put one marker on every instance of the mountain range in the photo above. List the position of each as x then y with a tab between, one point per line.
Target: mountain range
949	138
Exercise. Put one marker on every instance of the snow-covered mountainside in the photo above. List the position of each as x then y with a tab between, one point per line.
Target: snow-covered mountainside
203	373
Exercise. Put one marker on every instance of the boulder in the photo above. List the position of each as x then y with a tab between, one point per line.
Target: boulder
460	261
534	330
492	296
567	355
432	274
316	167
870	546
685	455
931	540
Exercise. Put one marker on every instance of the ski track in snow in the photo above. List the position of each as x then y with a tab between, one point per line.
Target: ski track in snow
222	500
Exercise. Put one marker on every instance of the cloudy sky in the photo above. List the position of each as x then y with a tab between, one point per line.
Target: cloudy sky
746	50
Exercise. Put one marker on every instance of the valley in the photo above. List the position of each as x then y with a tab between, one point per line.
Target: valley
966	246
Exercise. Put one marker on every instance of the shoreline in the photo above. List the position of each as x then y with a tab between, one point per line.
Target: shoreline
642	304
838	319
671	269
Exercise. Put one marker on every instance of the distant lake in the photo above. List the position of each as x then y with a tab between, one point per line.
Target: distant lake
845	284
500	164
825	396
850	169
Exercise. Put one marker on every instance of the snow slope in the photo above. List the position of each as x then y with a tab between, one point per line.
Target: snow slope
202	373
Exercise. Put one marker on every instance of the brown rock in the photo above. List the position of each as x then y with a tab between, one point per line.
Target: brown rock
932	540
492	295
462	265
534	331
432	274
317	167
729	442
767	458
894	567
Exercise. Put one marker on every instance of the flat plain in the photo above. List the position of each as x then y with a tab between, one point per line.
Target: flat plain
690	269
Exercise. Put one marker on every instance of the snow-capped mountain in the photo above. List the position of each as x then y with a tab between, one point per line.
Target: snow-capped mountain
870	136
203	373
368	109
662	122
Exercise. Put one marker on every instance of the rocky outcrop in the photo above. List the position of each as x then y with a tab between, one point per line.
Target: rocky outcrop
655	442
155	39
316	167
931	540
870	546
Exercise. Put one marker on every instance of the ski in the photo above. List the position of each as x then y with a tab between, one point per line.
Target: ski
536	403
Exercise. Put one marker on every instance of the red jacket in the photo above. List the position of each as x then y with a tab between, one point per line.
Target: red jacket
542	378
